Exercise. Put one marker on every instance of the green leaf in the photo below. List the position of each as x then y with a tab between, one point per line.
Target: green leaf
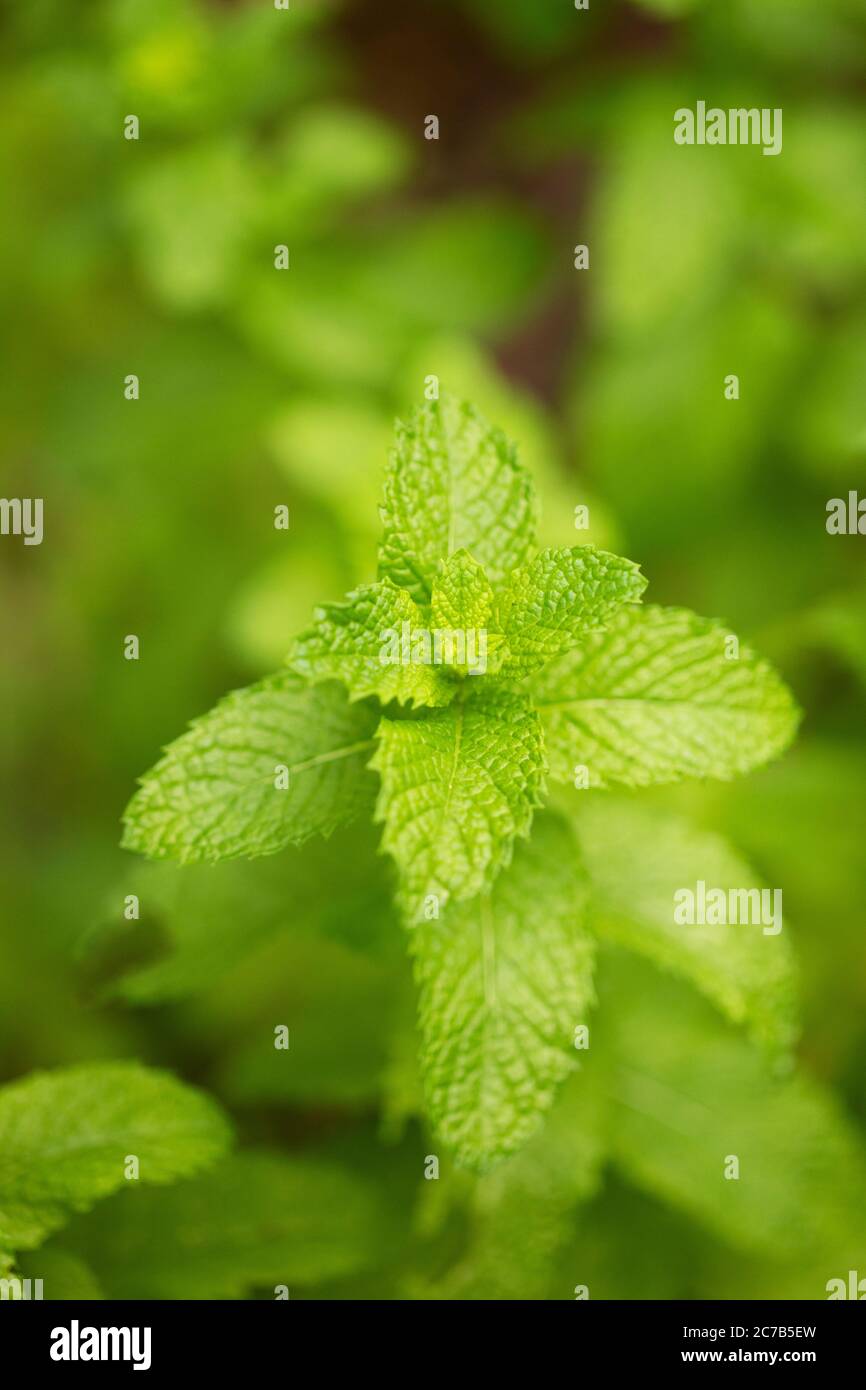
521	1213
65	1138
689	1093
331	156
457	786
371	644
637	858
463	611
215	794
256	1220
560	596
453	483
656	698
204	920
504	981
462	594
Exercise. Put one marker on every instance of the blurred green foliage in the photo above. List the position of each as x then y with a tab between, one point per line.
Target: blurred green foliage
155	257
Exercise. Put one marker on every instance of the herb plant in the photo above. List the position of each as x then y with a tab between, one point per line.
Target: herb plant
581	685
68	1137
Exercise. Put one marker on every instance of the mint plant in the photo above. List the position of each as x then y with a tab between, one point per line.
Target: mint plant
380	710
67	1138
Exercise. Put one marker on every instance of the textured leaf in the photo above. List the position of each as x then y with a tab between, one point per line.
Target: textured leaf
559	597
690	1093
463	604
637	858
256	1220
65	1137
462	594
457	786
453	483
655	698
215	795
522	1212
504	981
369	643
